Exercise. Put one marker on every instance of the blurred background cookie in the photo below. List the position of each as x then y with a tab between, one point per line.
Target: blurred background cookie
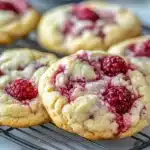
87	25
17	19
137	50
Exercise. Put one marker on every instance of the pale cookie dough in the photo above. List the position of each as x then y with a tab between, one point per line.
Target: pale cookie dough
137	50
20	70
88	25
96	95
17	19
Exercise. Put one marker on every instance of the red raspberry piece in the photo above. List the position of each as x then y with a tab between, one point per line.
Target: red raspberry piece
113	65
119	98
140	49
21	90
67	27
84	13
70	86
8	6
1	73
61	69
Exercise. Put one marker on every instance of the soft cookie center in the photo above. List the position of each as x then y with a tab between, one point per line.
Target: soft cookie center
105	67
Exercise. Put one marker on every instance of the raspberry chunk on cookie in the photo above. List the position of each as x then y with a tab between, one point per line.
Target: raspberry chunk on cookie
7	6
22	90
96	95
137	50
86	25
20	70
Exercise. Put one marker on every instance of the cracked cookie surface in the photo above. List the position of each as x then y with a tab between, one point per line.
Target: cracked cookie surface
20	70
137	50
88	25
96	95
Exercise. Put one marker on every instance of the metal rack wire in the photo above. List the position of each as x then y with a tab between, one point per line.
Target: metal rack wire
42	138
48	137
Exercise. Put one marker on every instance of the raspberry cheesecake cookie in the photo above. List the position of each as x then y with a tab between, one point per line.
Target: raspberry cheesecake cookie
96	95
138	52
17	19
88	25
20	70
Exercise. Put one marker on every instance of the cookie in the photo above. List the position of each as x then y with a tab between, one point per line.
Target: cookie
96	95
137	50
17	19
88	25
20	70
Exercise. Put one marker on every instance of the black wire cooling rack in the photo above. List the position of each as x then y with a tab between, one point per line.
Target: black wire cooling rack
48	137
